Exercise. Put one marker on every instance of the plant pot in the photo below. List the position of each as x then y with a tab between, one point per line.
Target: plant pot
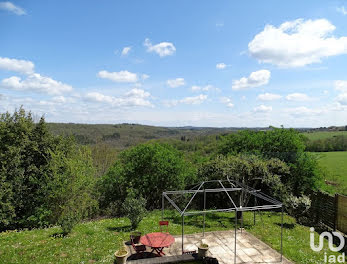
202	251
121	258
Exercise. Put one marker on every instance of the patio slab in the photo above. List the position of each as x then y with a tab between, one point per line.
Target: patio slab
249	249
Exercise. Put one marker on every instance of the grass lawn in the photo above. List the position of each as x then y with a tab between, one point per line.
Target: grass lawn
95	242
335	164
324	134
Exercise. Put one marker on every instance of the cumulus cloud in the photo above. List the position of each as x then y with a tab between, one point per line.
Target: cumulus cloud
206	88
298	97
144	76
269	97
303	111
342	98
176	82
135	97
193	100
255	79
20	66
262	109
125	51
341	86
297	43
227	101
37	83
8	6
221	66
162	49
122	76
342	10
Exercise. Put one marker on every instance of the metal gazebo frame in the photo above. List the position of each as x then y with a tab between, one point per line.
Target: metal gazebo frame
235	186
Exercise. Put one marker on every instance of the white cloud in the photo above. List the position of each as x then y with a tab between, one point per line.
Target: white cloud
122	76
341	86
303	111
342	98
37	83
255	79
162	49
298	97
221	66
297	43
342	10
205	88
12	8
269	97
219	25
176	82
227	101
145	76
263	109
21	66
135	97
125	51
193	100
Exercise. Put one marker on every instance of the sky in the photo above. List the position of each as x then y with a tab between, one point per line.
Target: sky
176	63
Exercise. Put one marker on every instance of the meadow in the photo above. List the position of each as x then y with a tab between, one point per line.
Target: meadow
335	165
315	135
96	241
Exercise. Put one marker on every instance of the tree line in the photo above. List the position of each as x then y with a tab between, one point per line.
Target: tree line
48	180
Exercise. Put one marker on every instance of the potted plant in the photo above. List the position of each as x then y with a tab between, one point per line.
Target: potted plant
121	255
202	250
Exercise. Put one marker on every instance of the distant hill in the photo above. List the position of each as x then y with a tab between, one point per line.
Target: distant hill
125	135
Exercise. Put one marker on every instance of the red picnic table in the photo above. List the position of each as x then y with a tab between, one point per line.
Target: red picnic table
157	241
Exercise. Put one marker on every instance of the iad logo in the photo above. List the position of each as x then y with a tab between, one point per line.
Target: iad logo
330	258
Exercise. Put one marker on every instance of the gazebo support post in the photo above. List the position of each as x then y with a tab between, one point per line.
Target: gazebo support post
235	236
182	233
282	235
162	207
203	232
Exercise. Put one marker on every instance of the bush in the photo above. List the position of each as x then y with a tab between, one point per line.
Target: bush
287	145
40	174
297	206
150	169
134	208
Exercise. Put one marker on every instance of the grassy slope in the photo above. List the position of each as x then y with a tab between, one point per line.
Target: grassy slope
324	134
335	164
97	241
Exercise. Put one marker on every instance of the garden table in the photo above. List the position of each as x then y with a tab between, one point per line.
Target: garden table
157	241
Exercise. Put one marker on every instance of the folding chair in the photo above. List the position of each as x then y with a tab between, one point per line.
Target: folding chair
139	249
164	223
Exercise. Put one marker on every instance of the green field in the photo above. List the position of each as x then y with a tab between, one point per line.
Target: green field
324	134
96	241
335	164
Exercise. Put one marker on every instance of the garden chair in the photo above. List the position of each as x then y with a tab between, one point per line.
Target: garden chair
164	223
139	249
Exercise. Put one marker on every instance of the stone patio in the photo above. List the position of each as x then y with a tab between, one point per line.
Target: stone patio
221	246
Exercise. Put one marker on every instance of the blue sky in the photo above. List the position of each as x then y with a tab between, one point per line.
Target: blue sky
176	63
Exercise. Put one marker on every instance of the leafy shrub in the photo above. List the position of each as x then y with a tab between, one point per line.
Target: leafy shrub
297	206
287	145
150	169
134	208
40	174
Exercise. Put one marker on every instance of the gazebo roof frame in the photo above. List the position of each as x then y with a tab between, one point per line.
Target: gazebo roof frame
235	186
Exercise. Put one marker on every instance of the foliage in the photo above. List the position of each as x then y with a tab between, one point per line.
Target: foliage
287	145
297	206
134	207
40	174
250	170
95	241
71	195
335	143
150	169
